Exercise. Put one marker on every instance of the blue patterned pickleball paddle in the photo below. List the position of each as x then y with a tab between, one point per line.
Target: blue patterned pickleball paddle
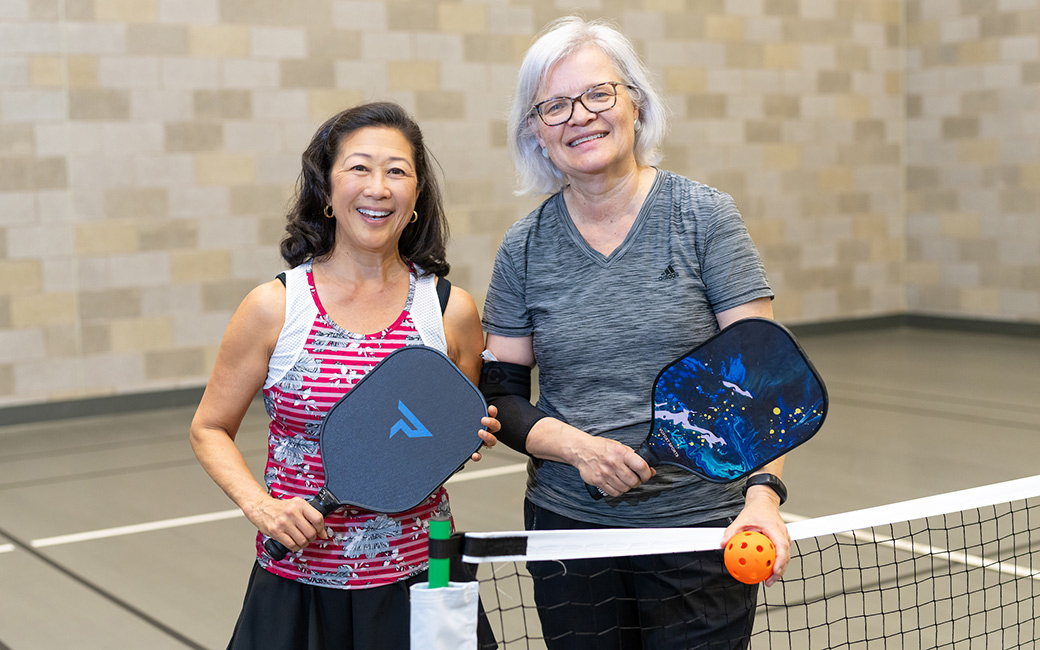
397	435
738	401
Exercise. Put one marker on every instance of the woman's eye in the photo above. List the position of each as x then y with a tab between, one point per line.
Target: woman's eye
554	108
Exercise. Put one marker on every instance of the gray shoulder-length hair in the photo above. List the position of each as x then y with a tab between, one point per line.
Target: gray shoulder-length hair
537	174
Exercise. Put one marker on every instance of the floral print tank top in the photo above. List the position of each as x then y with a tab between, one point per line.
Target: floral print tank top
365	548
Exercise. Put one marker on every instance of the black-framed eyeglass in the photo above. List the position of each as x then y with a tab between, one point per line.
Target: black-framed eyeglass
598	98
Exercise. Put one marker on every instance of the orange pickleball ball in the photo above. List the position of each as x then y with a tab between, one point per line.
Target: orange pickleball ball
749	557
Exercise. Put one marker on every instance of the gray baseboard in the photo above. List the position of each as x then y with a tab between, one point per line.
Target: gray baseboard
919	321
129	403
107	405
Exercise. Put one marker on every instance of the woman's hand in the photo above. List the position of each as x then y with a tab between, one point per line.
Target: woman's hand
611	466
292	522
487	434
762	513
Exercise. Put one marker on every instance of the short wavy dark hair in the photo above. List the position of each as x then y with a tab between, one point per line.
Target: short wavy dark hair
310	235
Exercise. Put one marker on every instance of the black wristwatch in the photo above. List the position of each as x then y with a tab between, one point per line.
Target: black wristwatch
770	480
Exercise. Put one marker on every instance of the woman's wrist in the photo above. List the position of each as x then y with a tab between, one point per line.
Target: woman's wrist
765	483
552	439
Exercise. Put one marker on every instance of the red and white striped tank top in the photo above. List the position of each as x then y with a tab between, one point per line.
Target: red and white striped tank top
365	548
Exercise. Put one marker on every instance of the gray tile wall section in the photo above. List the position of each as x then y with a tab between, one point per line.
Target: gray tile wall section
885	154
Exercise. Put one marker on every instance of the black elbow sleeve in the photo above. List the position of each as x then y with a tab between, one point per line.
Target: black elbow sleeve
507	386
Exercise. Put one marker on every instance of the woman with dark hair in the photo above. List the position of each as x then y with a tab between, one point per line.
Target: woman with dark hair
309	234
365	243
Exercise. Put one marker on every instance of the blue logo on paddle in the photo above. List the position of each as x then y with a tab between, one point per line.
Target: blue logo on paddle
409	425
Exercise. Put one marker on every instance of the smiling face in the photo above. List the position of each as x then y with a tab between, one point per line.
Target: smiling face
589	144
373	188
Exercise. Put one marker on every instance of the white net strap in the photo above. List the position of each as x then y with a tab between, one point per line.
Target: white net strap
517	546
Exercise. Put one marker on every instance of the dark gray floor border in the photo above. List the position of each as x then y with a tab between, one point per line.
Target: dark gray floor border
919	321
108	405
130	403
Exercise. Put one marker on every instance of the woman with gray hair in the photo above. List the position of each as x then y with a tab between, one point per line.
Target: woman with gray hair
621	270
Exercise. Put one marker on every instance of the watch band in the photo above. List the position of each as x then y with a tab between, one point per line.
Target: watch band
770	480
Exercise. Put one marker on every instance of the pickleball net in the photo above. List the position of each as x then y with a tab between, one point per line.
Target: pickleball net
956	570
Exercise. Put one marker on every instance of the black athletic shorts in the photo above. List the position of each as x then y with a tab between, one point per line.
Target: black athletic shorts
664	602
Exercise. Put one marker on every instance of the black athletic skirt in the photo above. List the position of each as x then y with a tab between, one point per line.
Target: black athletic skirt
282	614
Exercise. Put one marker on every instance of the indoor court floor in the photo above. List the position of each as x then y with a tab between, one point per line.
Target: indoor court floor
112	536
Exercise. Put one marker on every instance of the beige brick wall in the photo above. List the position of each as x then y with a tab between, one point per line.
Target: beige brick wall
884	154
973	158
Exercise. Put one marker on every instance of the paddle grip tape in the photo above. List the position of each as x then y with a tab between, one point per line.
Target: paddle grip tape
324	502
507	386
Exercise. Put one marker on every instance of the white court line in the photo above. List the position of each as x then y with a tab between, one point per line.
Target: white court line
119	531
178	522
135	528
488	473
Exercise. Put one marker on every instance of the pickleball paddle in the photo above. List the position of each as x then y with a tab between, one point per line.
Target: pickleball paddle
738	401
397	435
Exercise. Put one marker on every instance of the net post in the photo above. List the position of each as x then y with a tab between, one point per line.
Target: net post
444	615
440	532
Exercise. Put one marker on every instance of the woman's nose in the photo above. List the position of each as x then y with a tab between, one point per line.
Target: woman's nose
580	114
376	186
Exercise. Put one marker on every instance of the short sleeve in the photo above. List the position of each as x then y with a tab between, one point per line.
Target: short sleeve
731	267
505	307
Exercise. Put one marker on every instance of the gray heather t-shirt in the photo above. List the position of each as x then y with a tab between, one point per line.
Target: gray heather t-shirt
604	326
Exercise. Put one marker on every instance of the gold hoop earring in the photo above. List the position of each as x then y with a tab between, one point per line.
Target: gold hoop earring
415	217
329	212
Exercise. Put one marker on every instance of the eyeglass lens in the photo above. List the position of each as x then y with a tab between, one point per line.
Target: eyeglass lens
596	100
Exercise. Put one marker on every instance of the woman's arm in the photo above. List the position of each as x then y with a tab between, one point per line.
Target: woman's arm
607	464
238	374
465	343
758	308
761	510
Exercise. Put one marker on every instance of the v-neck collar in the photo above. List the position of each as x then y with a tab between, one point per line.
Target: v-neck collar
590	252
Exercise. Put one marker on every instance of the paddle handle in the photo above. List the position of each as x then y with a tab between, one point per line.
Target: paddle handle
324	502
644	452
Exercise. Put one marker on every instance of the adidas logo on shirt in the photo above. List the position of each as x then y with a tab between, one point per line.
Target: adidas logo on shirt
669	274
